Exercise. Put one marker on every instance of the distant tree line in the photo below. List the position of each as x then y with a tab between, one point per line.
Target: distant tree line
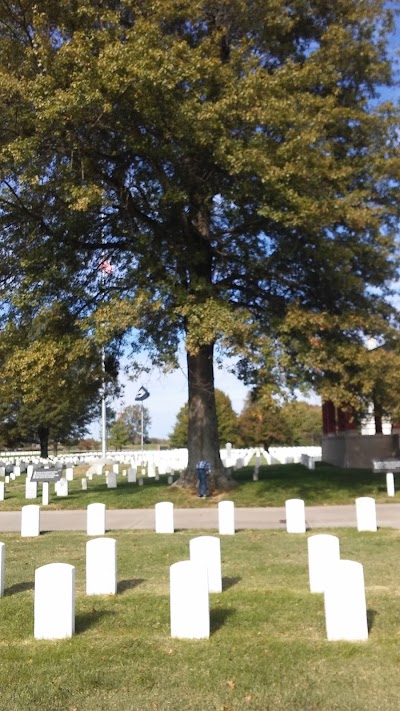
262	422
126	428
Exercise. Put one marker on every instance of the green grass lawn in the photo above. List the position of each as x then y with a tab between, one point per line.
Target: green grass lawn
267	650
324	485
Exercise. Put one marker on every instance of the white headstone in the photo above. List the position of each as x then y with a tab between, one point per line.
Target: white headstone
62	487
30	489
17	470
115	468
390	483
226	518
29	471
30	520
111	480
2	490
228	457
345	604
151	470
189	601
96	519
132	475
206	550
101	566
164	517
2	567
295	516
69	473
2	471
45	493
84	484
7	479
99	469
366	514
323	552
54	601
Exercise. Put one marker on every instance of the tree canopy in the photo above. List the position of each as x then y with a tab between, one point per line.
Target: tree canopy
51	376
127	426
232	161
263	421
303	422
226	418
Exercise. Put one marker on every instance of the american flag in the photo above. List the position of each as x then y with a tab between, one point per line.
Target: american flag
106	267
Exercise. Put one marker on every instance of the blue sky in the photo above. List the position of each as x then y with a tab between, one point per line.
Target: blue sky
168	393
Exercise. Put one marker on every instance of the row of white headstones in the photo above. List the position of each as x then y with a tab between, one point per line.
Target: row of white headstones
61	486
191	581
190	584
365	515
96	519
365	508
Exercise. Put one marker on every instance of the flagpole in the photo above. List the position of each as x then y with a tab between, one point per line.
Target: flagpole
141	432
103	406
143	394
105	268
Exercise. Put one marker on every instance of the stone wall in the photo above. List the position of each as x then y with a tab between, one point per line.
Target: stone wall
351	450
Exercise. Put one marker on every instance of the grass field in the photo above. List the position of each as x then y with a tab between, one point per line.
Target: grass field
324	485
267	650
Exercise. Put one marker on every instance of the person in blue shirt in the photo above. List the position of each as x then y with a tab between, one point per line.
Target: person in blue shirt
203	468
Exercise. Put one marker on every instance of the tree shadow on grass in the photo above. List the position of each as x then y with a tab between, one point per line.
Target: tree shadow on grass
229	582
324	482
86	620
371	614
124	585
19	587
218	618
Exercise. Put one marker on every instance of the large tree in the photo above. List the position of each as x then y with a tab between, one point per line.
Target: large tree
51	377
230	157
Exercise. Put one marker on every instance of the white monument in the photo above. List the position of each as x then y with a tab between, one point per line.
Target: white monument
54	601
101	566
189	601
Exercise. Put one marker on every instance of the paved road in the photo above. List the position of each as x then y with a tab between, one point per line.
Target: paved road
317	517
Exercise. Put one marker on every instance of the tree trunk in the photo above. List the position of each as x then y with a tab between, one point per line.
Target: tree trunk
43	433
203	440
